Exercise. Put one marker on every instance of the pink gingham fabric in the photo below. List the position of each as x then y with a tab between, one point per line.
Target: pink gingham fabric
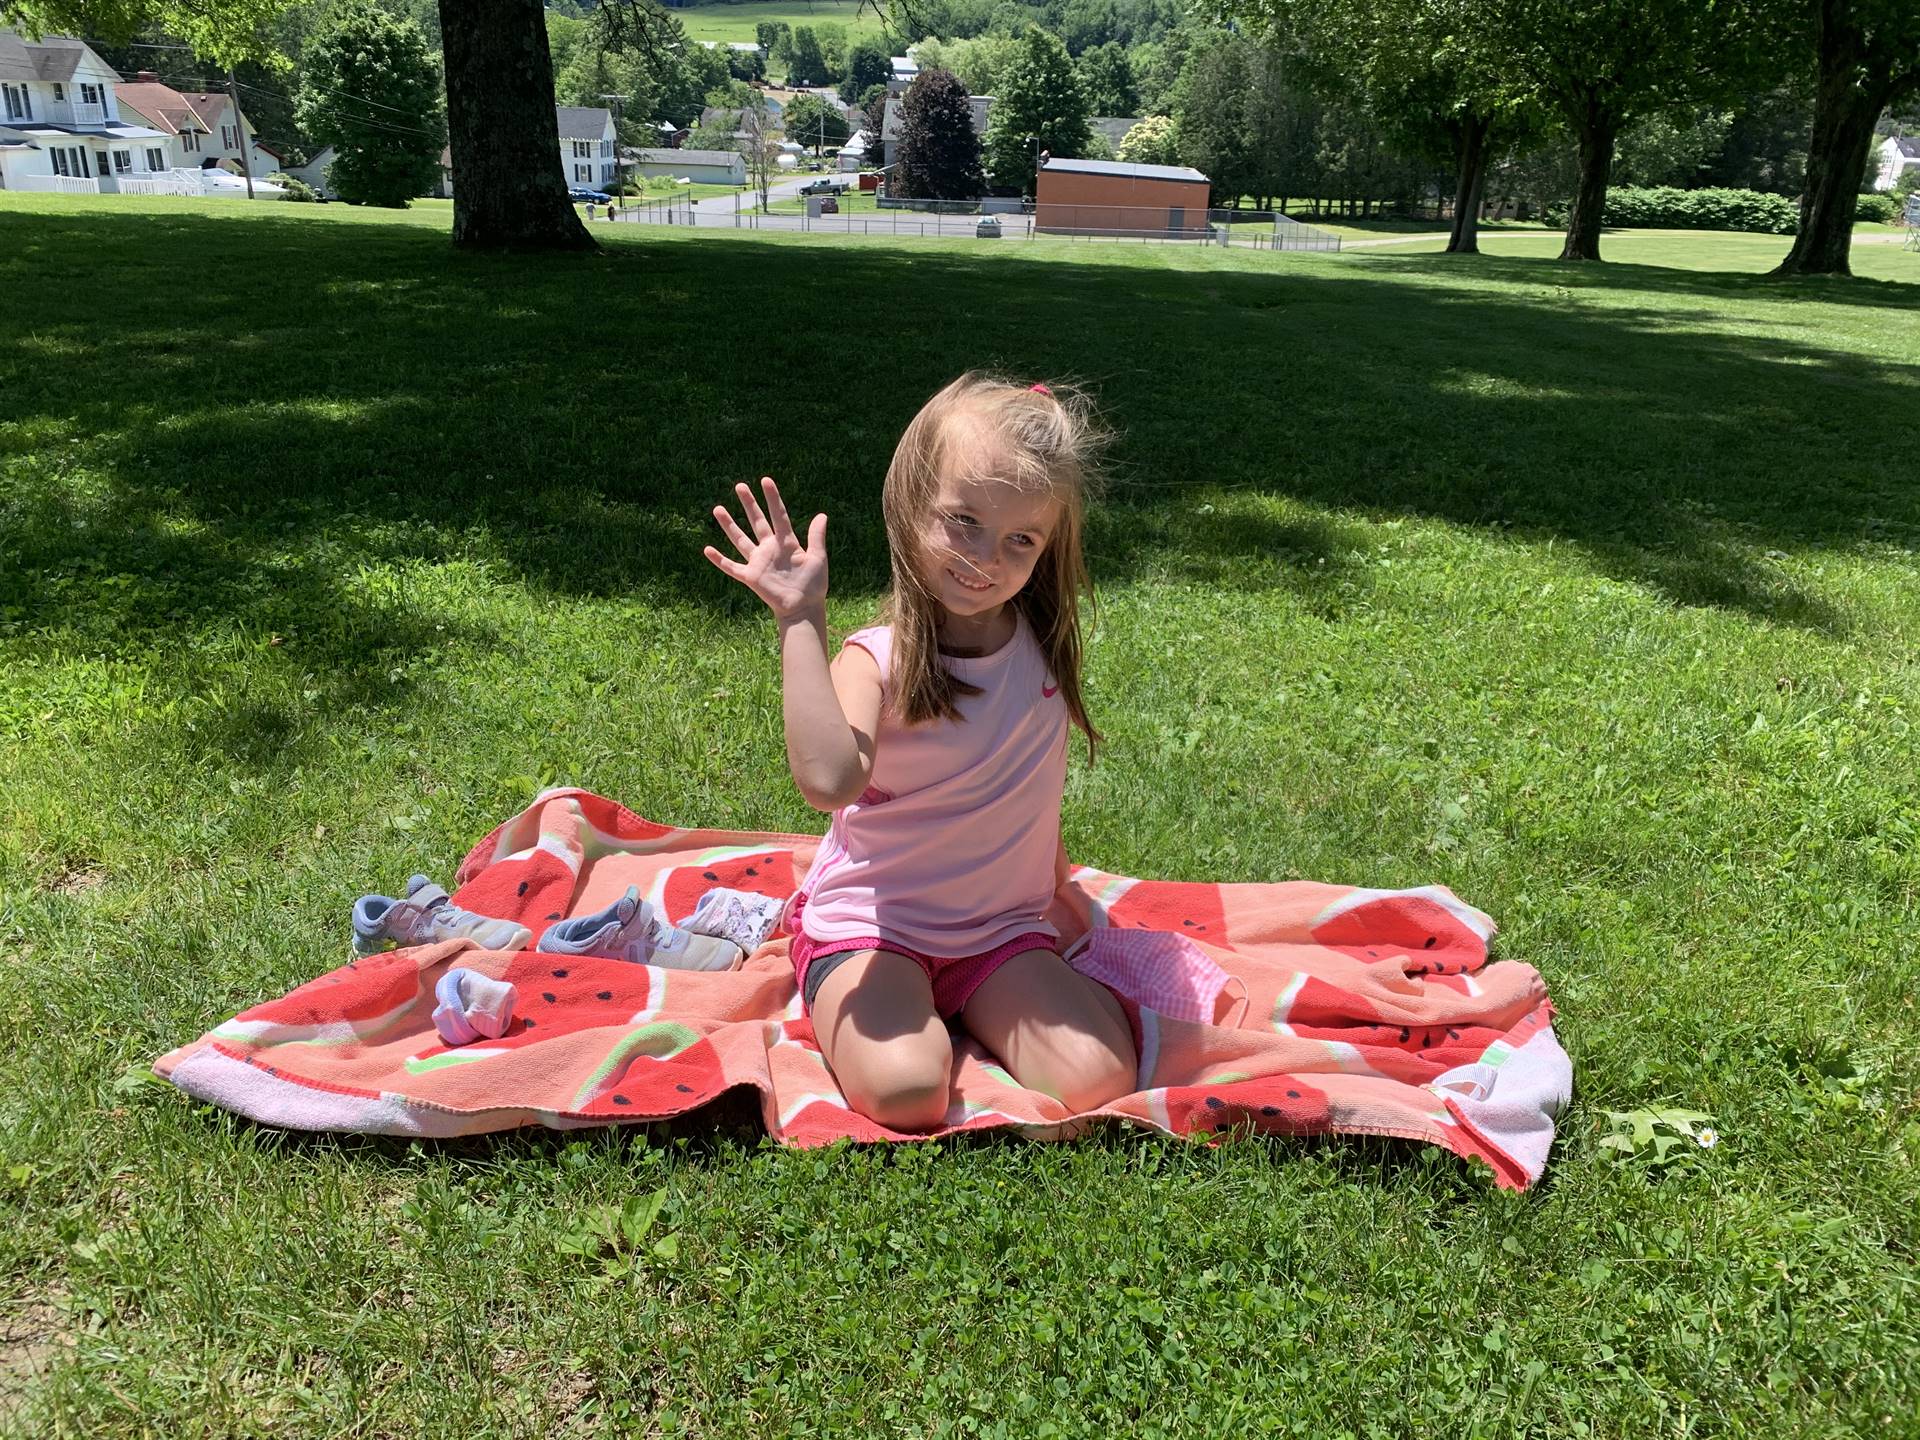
1159	969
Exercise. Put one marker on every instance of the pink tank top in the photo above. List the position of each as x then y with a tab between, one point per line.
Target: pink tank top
950	850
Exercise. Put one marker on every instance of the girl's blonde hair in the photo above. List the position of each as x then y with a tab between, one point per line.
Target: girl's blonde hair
1048	437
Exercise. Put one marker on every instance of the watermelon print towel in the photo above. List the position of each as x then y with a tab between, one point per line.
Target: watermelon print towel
1342	1010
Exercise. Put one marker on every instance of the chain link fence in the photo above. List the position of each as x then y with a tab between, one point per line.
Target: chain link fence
993	218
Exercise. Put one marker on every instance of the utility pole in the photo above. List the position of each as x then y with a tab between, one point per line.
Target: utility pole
233	94
619	165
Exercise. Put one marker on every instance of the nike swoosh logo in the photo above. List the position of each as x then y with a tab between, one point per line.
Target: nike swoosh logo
1049	693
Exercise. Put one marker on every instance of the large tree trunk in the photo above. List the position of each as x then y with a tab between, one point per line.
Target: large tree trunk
1470	180
509	191
1598	127
1854	87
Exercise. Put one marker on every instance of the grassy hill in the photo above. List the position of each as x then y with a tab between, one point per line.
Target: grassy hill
736	22
1590	592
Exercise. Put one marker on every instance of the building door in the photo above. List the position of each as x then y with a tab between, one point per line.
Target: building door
1177	218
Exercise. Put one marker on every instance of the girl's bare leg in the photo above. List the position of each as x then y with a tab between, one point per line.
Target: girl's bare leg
1055	1030
875	1022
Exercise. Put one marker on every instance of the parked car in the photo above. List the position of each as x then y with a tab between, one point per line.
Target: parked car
579	194
988	228
823	187
215	181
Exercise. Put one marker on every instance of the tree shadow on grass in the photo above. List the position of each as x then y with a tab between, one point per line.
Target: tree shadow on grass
1570	279
334	397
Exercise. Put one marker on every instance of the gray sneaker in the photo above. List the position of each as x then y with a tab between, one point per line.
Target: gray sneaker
424	916
630	929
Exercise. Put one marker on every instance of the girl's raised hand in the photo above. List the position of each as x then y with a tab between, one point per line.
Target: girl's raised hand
791	578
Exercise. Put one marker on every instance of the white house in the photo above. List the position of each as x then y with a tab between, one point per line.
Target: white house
314	172
712	167
199	125
61	127
586	145
1897	156
165	109
856	153
977	105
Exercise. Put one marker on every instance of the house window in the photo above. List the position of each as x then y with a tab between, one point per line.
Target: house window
606	147
59	159
190	141
122	162
89	94
226	137
16	102
156	160
59	91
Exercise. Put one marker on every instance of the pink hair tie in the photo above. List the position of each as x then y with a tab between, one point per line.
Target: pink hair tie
1041	388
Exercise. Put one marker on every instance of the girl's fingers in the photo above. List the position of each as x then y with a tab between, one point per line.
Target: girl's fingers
739	537
777	509
730	568
817	535
756	517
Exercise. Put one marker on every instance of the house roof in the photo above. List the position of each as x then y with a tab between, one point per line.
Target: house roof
207	105
583	122
51	57
689	157
1909	148
112	130
162	106
1137	172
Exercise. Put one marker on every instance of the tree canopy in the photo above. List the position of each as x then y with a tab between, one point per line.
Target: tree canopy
369	88
939	154
1038	99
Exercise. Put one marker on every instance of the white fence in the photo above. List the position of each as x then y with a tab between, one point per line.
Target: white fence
163	182
60	184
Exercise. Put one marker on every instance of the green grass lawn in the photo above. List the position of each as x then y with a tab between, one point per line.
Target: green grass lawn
1588	591
736	22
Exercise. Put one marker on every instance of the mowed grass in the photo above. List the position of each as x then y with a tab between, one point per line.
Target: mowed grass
1587	591
737	22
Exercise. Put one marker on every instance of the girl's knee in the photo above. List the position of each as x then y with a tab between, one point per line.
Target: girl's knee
909	1092
1101	1077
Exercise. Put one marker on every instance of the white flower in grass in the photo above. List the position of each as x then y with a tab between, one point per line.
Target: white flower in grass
1708	1138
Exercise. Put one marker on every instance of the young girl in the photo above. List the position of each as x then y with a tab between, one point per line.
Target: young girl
938	740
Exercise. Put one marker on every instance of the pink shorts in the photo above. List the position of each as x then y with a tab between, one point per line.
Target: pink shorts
954	981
